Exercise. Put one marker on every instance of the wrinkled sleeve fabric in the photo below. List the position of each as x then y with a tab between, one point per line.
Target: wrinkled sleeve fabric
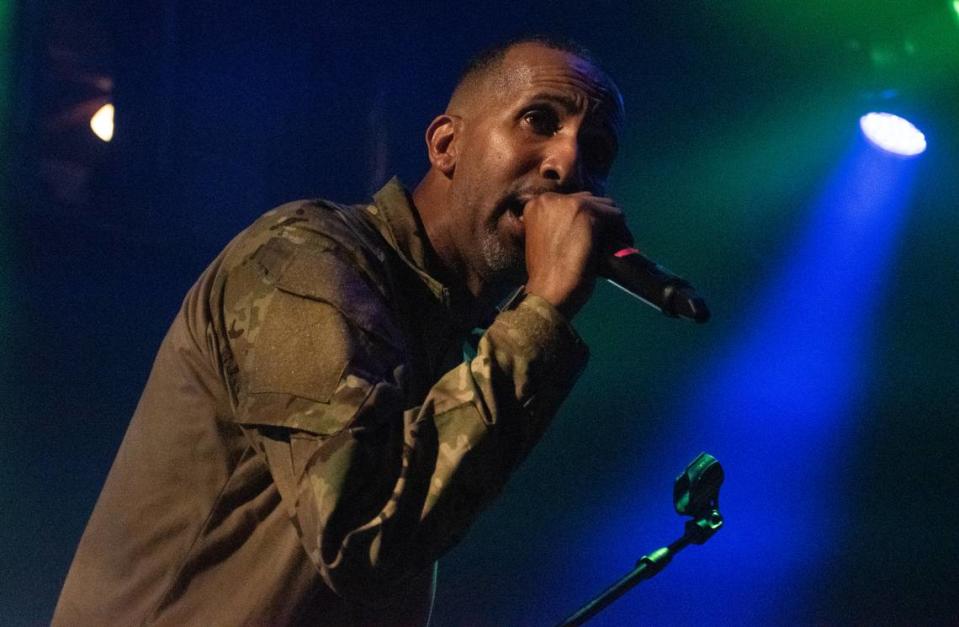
379	485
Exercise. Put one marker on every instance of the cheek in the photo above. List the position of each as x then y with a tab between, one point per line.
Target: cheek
491	164
505	155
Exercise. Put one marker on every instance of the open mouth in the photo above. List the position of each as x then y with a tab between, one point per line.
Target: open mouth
515	206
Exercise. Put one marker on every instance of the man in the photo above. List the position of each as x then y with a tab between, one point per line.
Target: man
314	435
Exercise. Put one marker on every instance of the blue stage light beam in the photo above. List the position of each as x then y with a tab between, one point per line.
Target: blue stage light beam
778	406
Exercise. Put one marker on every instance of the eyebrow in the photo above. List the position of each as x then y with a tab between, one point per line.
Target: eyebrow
568	103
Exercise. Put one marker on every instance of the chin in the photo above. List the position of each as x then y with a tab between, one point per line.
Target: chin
502	258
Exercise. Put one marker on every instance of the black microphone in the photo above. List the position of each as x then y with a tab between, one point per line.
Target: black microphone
639	276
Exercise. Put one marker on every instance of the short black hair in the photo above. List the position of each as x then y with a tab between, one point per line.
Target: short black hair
489	58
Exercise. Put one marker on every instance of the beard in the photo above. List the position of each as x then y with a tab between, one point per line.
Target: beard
505	262
498	258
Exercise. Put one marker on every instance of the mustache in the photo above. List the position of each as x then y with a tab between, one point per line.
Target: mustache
526	193
515	200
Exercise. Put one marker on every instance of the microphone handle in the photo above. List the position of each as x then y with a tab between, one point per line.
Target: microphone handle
639	276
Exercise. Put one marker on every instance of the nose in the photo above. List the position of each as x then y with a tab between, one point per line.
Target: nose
562	162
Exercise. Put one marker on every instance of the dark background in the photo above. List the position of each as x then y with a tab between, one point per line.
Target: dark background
841	481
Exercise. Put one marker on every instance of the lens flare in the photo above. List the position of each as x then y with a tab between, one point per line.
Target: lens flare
893	134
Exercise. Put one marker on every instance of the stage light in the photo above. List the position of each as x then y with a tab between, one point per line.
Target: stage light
893	134
788	389
102	122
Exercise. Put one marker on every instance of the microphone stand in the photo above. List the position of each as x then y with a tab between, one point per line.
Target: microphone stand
696	494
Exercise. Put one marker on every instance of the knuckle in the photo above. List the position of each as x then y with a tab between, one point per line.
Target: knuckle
582	204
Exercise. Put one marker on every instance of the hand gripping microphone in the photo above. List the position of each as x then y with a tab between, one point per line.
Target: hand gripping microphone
639	276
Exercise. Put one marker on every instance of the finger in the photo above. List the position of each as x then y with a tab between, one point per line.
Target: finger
606	200
608	212
601	201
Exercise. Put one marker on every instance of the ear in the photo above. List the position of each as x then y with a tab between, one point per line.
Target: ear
441	144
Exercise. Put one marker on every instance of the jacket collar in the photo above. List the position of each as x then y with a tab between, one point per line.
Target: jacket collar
398	221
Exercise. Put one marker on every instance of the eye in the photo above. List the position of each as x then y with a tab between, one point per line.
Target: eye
543	121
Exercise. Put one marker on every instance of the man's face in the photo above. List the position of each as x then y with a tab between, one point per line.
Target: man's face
546	121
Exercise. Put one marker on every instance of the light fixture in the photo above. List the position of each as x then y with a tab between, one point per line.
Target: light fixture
893	134
102	122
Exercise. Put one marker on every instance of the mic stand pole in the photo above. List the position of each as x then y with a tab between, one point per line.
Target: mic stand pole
699	484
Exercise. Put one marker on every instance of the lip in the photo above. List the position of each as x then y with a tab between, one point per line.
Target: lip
516	220
517	204
512	207
513	216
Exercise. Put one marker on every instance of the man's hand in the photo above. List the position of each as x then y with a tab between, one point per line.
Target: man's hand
565	233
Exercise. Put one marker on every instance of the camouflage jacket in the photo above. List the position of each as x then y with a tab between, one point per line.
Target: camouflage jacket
312	438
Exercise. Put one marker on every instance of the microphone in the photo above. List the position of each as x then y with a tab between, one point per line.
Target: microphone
641	277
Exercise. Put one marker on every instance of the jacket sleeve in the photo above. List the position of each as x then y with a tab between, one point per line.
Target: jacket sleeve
378	485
